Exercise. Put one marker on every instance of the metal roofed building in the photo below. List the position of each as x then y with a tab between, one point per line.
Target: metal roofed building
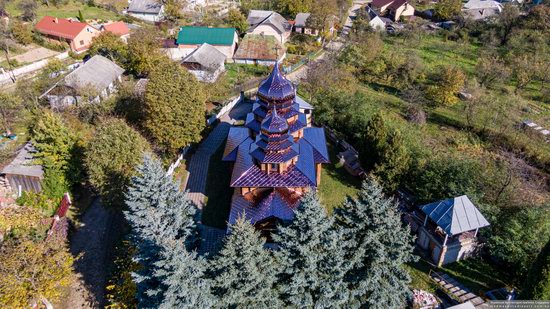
147	10
96	79
206	63
223	39
22	173
276	156
269	23
449	230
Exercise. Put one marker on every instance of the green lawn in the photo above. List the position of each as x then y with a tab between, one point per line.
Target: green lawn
218	192
336	183
419	276
65	11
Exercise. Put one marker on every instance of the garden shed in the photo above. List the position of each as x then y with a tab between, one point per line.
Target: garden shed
22	173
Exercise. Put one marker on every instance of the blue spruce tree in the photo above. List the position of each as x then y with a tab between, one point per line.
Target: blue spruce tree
377	245
244	273
159	215
311	259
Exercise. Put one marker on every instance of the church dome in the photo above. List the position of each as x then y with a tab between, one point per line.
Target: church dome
274	124
276	86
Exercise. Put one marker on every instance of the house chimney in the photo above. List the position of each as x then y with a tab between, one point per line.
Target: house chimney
55	20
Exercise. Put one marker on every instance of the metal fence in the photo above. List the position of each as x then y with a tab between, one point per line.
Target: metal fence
306	59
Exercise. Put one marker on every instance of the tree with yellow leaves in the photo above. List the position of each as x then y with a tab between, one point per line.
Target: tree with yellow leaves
33	272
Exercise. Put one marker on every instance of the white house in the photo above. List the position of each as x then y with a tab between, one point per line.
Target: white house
206	63
93	81
147	10
377	22
269	23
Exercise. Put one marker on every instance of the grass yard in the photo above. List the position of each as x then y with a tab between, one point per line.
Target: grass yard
419	276
65	11
218	192
336	182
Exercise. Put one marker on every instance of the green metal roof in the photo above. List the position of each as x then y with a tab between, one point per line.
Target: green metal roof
200	35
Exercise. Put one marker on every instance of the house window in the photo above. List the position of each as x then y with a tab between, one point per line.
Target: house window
81	42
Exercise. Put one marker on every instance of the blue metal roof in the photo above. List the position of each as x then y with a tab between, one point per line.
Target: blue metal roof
236	136
455	215
316	137
276	86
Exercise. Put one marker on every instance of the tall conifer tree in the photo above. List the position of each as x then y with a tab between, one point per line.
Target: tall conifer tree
244	273
160	215
311	258
377	245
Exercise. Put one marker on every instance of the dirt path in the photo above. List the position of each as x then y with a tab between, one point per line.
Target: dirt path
93	240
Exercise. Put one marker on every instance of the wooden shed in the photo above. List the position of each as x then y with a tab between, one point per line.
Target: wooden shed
22	173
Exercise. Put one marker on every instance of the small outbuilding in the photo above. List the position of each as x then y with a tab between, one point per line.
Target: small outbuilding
23	174
95	80
146	10
449	229
206	63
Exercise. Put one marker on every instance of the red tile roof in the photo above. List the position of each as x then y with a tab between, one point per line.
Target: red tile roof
119	28
397	4
381	3
60	27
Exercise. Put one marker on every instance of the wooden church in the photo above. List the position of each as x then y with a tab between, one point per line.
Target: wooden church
276	156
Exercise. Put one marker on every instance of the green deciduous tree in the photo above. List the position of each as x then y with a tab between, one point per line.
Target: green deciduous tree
311	259
111	46
111	157
377	245
22	33
144	51
519	236
293	7
10	105
537	284
244	273
163	223
174	107
236	18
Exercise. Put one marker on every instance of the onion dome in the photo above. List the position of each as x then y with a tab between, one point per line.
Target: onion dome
276	86
274	124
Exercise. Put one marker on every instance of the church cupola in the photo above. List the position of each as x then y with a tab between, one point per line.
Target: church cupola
276	88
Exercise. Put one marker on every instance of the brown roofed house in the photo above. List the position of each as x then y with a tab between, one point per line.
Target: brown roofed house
77	34
259	49
394	9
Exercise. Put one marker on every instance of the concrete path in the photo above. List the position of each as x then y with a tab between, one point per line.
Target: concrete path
456	288
35	54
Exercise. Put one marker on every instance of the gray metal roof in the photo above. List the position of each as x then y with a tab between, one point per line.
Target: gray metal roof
23	163
301	19
98	72
455	215
207	56
303	104
257	18
145	6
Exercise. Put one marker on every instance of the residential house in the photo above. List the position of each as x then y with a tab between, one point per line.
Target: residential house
481	9
393	9
269	23
301	26
146	10
93	81
276	157
448	229
118	28
206	63
23	174
223	39
77	34
377	22
259	49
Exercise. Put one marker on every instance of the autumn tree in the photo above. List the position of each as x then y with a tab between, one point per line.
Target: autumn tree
490	70
110	46
293	7
144	51
448	81
506	21
322	15
22	33
174	107
28	8
33	272
447	9
236	19
111	157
